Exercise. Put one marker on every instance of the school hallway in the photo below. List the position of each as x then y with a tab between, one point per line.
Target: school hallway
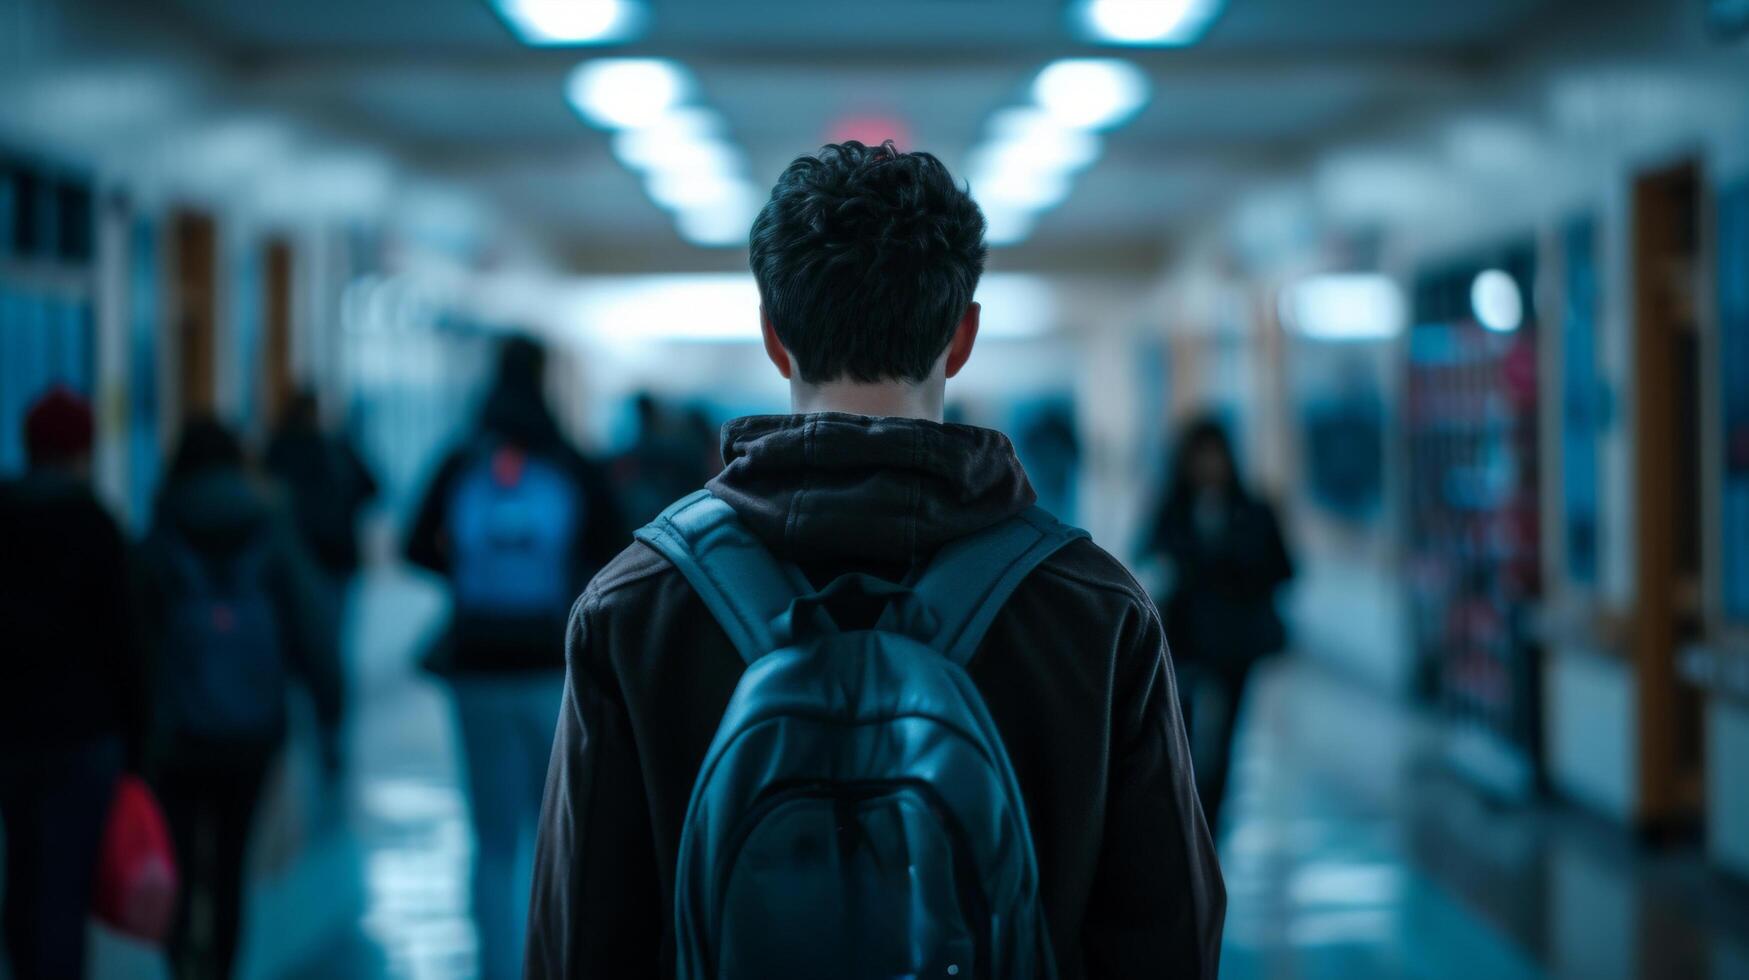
1349	852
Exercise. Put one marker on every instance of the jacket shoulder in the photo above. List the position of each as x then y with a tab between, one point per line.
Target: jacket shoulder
1084	565
635	564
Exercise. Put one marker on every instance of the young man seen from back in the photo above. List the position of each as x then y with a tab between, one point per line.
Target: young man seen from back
867	261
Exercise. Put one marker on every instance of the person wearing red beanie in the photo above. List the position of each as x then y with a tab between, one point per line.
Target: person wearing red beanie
59	429
72	693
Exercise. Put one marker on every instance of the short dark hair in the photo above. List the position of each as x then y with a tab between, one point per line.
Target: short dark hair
866	260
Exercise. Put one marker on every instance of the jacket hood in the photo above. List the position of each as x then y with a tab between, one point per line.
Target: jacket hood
217	510
832	487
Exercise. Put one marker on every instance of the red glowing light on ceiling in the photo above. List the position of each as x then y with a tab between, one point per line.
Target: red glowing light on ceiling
872	129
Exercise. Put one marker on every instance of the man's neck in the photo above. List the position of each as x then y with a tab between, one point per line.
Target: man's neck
888	399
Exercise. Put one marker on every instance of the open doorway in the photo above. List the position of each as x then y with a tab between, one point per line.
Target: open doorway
1668	294
193	238
276	295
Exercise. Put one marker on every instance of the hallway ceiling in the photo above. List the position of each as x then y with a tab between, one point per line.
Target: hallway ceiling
447	86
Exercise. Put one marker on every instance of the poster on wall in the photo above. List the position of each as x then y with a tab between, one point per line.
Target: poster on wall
1471	495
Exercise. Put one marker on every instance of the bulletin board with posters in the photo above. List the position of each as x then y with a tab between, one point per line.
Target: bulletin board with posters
1472	512
1733	311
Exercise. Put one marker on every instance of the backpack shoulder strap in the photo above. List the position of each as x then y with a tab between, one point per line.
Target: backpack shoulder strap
743	584
970	579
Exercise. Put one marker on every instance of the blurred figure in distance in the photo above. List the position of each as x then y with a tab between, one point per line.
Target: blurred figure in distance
1226	558
234	610
1052	449
328	484
663	465
702	437
517	520
72	711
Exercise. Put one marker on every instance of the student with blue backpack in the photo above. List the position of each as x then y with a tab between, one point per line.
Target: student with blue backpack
516	521
859	708
234	613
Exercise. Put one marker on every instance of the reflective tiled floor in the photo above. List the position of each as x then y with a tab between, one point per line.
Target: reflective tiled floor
1353	853
1348	852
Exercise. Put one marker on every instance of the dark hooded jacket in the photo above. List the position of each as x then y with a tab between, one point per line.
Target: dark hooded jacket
1074	671
70	665
215	514
517	416
1221	610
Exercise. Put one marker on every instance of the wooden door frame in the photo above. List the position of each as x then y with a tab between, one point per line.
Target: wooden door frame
192	325
1663	796
275	371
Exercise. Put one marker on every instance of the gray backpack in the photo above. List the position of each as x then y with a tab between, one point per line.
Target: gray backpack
856	814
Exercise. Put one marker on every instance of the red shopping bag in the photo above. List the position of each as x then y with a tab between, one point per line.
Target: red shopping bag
136	872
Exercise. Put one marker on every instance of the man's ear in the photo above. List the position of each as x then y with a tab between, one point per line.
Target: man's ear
773	346
959	349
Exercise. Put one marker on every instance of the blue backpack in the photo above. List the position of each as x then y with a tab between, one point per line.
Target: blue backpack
224	671
856	814
513	519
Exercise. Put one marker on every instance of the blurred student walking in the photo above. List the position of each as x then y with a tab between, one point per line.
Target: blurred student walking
71	694
1225	558
328	484
234	610
517	520
670	459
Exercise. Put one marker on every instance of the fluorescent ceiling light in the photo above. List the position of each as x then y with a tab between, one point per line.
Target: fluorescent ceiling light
1496	301
627	311
681	134
336	184
1493	146
1090	93
556	23
1015	305
716	226
630	310
627	93
648	152
1345	306
1007	226
237	149
1031	124
1161	23
679	191
106	102
1028	139
1020	189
